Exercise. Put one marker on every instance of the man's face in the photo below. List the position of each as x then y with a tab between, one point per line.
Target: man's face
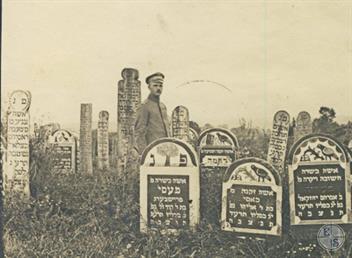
156	88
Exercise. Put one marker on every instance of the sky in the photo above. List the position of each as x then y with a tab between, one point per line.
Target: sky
223	60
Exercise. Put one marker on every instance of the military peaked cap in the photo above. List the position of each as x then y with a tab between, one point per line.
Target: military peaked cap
154	77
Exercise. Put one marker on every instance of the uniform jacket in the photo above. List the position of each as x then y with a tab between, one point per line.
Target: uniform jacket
151	123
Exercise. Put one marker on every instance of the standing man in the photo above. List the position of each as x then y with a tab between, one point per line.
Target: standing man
152	120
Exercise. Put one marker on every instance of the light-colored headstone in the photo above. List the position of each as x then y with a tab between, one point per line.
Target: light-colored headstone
64	150
319	182
180	123
303	125
350	145
85	139
169	186
16	174
278	140
128	101
103	140
252	198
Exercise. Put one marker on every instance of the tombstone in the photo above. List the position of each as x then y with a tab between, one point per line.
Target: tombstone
16	174
252	198
64	151
169	186
103	140
85	139
278	140
180	123
319	183
193	137
303	125
217	151
350	145
129	100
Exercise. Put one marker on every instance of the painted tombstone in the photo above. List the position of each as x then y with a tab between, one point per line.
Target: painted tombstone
319	181
180	123
16	174
217	148
169	186
64	150
103	140
278	140
128	101
85	139
303	125
217	151
251	198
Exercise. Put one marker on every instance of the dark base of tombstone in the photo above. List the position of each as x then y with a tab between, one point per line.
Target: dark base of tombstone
211	191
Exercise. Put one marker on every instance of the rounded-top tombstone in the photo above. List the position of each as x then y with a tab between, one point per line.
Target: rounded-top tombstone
64	150
319	183
303	125
16	173
217	147
169	186
252	198
180	123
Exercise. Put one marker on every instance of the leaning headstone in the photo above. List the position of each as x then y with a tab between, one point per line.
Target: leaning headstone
129	100
303	125
278	140
251	198
217	151
169	186
63	150
103	140
180	123
85	139
16	174
319	184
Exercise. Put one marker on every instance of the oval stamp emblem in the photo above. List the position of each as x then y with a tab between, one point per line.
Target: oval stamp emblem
331	237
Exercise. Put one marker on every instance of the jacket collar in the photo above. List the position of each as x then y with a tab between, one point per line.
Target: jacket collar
154	98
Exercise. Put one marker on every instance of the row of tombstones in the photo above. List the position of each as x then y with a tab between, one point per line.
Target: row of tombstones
249	191
179	186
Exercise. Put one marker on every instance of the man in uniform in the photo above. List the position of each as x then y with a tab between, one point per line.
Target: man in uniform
152	121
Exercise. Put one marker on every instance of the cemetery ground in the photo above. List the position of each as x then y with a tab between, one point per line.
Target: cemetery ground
80	215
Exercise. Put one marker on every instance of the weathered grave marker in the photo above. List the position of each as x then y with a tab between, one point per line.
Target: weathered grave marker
278	140
319	182
180	123
169	186
128	101
217	150
193	136
303	125
16	174
350	145
103	140
251	198
85	139
64	150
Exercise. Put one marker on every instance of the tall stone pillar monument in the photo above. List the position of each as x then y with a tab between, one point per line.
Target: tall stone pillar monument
128	101
16	173
85	139
103	140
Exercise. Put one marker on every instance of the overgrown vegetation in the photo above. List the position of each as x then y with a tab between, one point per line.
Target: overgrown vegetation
77	215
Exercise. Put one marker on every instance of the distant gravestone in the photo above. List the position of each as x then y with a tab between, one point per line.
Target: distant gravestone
85	139
251	198
193	138
103	140
169	186
217	148
217	151
16	174
319	182
350	145
303	125
278	140
180	123
129	100
64	151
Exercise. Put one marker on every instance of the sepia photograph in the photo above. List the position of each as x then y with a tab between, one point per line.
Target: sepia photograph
176	128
